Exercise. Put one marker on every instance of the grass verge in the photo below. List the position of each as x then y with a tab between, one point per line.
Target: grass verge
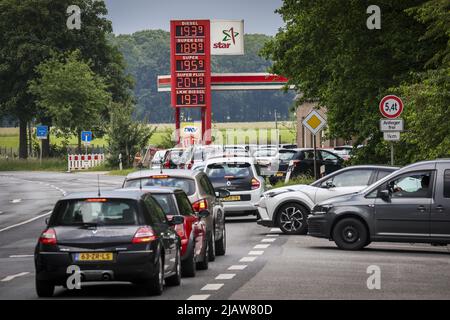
33	165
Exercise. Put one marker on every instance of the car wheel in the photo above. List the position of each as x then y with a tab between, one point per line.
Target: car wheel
44	289
212	247
221	244
175	280
188	265
155	285
350	234
291	219
203	265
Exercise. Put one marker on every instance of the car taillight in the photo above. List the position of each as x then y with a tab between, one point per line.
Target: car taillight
48	237
143	235
200	205
255	184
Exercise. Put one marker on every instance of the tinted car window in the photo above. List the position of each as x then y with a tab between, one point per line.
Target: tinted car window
156	212
286	155
352	178
220	170
447	184
382	174
184	204
328	155
186	184
97	211
308	155
206	185
413	185
166	202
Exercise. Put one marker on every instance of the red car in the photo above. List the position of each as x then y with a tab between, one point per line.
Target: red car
194	244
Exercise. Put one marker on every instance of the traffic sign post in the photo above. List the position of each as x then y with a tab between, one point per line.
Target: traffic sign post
391	107
314	122
41	134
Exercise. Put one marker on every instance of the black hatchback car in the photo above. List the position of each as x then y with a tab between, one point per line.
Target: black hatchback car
115	236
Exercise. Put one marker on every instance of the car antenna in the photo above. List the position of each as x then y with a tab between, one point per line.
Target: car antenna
98	185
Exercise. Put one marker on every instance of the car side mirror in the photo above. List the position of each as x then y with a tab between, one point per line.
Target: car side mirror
176	220
385	195
222	193
203	214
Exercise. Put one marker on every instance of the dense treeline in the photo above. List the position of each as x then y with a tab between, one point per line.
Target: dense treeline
147	55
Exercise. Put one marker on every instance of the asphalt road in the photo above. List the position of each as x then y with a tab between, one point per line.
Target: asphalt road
260	263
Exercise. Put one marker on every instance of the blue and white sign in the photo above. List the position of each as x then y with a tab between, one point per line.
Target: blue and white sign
86	137
42	132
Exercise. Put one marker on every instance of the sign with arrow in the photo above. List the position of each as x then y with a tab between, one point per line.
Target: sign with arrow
86	137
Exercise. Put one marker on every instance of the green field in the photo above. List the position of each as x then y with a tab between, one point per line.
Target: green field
9	137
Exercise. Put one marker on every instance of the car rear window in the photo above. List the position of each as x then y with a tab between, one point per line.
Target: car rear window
102	211
186	184
221	170
286	155
166	202
265	153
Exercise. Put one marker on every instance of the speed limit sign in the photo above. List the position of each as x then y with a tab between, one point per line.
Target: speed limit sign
391	107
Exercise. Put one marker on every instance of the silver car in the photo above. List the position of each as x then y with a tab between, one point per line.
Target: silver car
241	177
201	194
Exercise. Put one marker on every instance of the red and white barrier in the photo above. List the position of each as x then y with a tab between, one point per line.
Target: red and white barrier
84	161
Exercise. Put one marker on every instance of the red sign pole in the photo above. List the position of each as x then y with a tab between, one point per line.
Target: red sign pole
191	70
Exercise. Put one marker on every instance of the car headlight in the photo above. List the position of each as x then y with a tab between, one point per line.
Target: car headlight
322	209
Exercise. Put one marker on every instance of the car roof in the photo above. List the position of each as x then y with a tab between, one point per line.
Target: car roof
157	172
153	189
132	194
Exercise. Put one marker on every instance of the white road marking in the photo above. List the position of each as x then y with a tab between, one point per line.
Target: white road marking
256	253
25	222
225	276
248	259
275	230
268	240
272	235
9	278
213	286
261	246
22	256
199	297
238	267
16	200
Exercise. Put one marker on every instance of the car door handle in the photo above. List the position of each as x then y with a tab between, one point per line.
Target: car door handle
440	208
421	208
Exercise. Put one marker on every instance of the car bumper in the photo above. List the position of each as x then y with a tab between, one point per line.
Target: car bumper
264	218
126	266
319	226
242	207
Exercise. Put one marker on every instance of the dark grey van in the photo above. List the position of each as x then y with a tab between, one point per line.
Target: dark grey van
410	205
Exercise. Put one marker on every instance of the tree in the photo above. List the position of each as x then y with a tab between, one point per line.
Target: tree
330	55
70	93
126	136
30	31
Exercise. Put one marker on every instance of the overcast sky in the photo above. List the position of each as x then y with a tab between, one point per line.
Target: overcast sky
129	16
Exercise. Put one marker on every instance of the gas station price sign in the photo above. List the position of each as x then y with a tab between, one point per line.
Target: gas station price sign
190	63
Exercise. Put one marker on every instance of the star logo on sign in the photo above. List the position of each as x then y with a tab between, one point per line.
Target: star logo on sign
230	35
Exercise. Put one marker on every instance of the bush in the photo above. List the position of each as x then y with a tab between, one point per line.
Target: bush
302	179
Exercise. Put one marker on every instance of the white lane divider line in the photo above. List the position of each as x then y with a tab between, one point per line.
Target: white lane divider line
256	253
275	230
248	259
21	256
25	222
261	246
16	200
212	286
272	235
199	297
237	267
268	240
9	278
225	276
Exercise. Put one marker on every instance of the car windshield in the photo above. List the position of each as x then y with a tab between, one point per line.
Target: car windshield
186	184
166	202
221	170
158	156
107	212
286	155
265	153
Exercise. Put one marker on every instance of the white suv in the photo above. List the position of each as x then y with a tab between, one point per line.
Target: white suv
241	177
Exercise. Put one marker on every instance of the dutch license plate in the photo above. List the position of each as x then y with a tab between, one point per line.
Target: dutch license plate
279	174
94	256
232	198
